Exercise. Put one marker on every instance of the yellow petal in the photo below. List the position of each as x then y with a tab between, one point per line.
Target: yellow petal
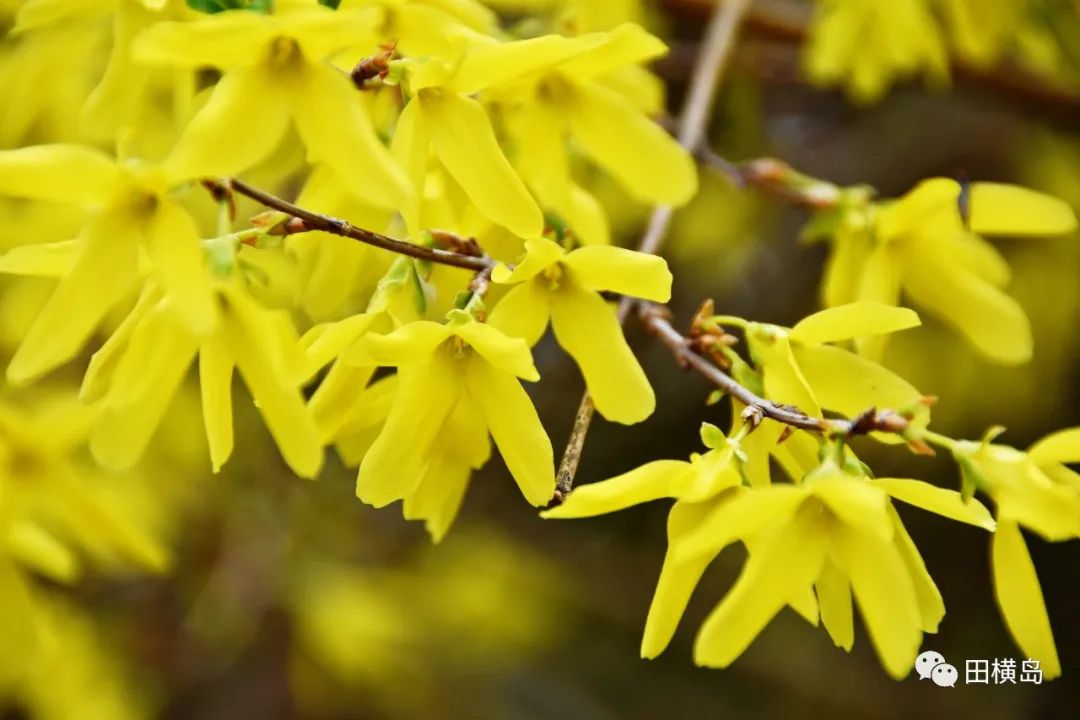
485	66
783	378
1020	598
507	353
783	564
947	503
332	403
677	581
51	260
254	340
410	343
222	40
1062	446
172	242
439	496
224	138
103	363
627	44
586	327
107	250
523	312
622	271
513	423
540	254
322	32
324	343
748	513
850	384
32	546
585	215
397	461
854	320
998	209
20	635
856	503
885	594
992	321
147	377
606	124
63	173
410	147
337	132
465	143
834	600
931	606
215	386
652	481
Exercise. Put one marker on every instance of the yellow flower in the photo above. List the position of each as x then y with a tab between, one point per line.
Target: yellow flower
572	102
138	370
920	244
440	367
800	367
441	117
811	546
551	283
1036	490
132	212
274	69
867	44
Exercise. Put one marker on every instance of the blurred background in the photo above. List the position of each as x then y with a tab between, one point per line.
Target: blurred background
290	599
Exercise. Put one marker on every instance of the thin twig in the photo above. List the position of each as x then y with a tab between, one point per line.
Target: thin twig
337	226
775	177
692	129
655	320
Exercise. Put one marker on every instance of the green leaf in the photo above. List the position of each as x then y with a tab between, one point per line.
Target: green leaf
215	6
332	4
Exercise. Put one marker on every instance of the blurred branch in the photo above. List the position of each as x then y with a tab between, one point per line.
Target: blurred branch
788	21
775	177
712	57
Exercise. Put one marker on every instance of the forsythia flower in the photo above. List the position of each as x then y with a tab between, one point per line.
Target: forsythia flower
274	69
441	116
565	287
811	545
133	212
1033	489
442	367
868	43
138	370
800	367
919	244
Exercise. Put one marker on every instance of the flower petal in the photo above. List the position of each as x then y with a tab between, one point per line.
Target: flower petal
587	328
215	387
834	601
676	583
172	242
931	606
222	40
854	320
652	481
627	44
1062	446
616	269
658	170
337	132
241	124
998	209
540	254
1020	598
513	423
395	465
784	563
748	513
489	65
522	312
507	353
850	384
107	250
465	143
63	173
885	594
947	503
410	343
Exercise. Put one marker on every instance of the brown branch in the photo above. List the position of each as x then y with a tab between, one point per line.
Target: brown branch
313	221
692	126
775	177
655	319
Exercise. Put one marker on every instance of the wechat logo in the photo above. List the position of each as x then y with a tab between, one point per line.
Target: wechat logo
932	665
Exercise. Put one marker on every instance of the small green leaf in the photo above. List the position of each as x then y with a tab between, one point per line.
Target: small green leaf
215	6
712	437
332	4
